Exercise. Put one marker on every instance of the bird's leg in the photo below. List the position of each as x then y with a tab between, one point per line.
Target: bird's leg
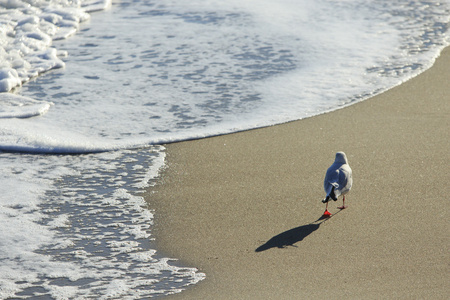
326	213
343	204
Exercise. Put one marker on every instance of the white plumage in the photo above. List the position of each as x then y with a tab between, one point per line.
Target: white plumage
338	179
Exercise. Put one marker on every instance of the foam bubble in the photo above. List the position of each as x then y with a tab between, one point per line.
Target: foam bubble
15	106
27	34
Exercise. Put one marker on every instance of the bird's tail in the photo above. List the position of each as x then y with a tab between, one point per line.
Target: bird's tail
331	195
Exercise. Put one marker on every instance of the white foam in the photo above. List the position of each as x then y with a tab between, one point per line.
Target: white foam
214	68
15	106
23	135
27	34
75	219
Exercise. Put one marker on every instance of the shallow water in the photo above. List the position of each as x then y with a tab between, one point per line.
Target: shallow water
152	72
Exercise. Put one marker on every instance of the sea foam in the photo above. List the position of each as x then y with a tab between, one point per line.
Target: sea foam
27	32
209	68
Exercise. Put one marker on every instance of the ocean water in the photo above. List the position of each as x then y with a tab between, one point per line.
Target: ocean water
90	91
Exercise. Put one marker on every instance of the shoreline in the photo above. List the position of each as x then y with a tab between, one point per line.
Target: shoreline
223	198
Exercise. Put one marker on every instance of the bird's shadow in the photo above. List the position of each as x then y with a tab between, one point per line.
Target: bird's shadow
294	235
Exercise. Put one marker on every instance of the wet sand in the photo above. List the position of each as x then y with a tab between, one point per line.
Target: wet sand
245	208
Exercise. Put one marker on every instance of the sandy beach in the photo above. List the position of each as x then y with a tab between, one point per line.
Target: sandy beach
245	208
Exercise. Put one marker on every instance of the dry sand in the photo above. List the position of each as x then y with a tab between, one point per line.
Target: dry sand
244	207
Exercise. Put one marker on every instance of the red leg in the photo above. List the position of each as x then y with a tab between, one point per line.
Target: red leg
343	204
326	212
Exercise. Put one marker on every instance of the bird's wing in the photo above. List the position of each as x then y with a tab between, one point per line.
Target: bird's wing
331	179
338	176
345	179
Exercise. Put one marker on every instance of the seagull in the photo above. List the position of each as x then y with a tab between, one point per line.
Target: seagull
338	181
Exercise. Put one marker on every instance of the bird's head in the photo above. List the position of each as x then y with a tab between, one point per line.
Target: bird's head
341	158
